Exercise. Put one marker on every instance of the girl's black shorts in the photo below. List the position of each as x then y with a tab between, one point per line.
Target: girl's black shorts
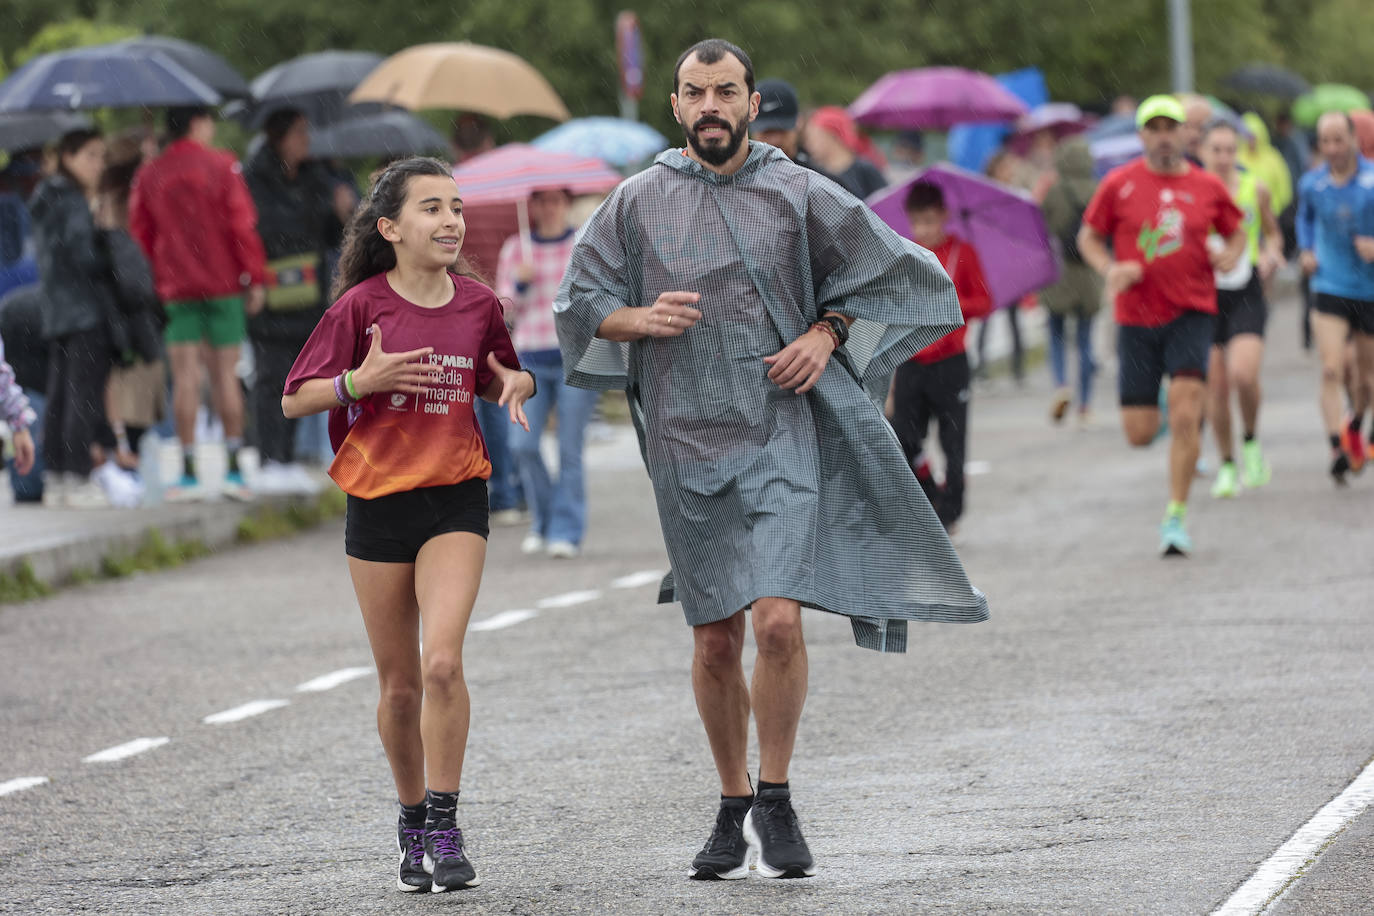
393	528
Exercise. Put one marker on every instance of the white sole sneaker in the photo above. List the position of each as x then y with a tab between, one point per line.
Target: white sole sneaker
751	836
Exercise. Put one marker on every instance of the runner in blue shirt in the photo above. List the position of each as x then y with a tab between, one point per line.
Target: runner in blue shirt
1336	237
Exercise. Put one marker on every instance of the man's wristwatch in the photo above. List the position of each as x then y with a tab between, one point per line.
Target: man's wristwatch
839	325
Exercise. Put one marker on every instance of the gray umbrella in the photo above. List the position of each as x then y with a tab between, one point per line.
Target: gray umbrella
316	84
387	134
205	64
30	130
1267	79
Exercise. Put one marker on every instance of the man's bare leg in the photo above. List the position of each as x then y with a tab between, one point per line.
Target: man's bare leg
723	699
780	675
1186	396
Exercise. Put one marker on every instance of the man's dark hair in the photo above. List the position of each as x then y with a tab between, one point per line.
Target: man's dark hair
179	119
711	51
1219	124
279	124
924	196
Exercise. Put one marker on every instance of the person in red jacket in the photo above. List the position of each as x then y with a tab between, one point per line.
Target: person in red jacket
191	212
935	382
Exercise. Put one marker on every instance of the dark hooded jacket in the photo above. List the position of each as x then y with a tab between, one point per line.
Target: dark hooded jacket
1079	287
73	260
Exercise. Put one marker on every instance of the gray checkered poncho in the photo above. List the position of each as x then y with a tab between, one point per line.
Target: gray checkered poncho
762	492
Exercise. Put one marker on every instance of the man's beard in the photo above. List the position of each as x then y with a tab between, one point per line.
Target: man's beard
716	153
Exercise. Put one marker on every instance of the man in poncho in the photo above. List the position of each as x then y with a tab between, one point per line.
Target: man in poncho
716	287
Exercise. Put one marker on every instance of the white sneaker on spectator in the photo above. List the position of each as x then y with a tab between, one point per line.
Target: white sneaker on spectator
121	488
301	480
87	495
272	478
55	490
507	518
532	543
563	550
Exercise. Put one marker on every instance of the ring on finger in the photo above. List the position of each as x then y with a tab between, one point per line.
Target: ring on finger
670	320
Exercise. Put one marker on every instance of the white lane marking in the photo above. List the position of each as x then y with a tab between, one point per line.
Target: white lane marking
1293	858
22	783
639	579
332	679
568	600
127	749
247	710
977	468
503	619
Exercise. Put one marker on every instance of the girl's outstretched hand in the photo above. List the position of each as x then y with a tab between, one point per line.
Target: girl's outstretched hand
516	388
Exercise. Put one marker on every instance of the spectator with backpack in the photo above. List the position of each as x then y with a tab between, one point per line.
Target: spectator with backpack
1078	292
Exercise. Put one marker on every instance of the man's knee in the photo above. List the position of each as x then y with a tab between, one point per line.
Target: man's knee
1333	373
777	627
719	645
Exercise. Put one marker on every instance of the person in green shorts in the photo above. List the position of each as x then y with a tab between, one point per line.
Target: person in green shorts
210	274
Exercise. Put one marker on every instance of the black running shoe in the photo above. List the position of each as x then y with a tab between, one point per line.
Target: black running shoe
447	864
410	841
1339	468
725	857
773	833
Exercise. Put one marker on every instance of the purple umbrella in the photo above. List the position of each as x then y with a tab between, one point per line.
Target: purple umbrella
1001	222
935	98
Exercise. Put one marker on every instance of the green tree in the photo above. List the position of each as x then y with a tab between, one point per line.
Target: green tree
71	33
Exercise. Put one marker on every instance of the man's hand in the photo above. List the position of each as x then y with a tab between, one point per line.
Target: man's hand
1224	260
1364	247
381	371
800	365
1122	275
1271	259
670	315
256	300
23	451
1308	261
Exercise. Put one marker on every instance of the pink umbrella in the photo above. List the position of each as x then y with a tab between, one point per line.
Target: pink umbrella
1002	223
511	173
1063	119
935	98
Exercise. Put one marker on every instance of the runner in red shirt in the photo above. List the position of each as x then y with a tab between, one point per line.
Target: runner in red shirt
935	382
414	466
1156	213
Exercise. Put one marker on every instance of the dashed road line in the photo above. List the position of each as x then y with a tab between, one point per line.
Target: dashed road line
127	749
639	579
333	679
568	599
1293	858
20	784
246	711
502	620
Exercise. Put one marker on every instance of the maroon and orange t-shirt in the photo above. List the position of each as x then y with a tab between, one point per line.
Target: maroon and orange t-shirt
1162	222
391	442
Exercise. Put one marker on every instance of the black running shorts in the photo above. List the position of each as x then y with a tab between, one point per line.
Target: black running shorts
1241	311
1358	312
1180	348
393	528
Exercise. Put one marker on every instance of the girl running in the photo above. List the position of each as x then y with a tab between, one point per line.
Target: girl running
414	466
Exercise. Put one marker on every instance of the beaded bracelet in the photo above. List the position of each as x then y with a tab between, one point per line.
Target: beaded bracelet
825	326
340	393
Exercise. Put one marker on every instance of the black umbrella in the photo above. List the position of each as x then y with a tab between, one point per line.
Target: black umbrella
386	134
205	64
1267	79
30	130
316	84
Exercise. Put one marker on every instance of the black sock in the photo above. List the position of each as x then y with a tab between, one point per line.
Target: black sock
773	785
232	446
443	807
1356	422
188	461
1335	440
413	816
1249	437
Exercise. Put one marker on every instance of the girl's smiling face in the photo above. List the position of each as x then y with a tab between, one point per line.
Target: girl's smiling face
428	232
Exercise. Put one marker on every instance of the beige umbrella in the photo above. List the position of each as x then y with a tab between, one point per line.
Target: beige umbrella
461	76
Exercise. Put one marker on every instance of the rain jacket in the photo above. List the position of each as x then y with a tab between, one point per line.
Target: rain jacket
191	212
762	492
73	261
1266	162
1079	287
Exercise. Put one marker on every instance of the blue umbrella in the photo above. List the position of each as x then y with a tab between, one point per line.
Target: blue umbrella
106	76
615	141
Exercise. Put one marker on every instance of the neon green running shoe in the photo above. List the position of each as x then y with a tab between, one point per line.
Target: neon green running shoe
1256	471
1227	485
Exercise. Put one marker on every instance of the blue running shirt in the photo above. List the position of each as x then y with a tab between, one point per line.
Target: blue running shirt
1329	218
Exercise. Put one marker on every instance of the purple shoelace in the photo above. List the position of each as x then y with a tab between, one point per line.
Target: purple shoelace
448	843
415	845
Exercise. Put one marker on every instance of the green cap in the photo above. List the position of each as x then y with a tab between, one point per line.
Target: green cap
1160	106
